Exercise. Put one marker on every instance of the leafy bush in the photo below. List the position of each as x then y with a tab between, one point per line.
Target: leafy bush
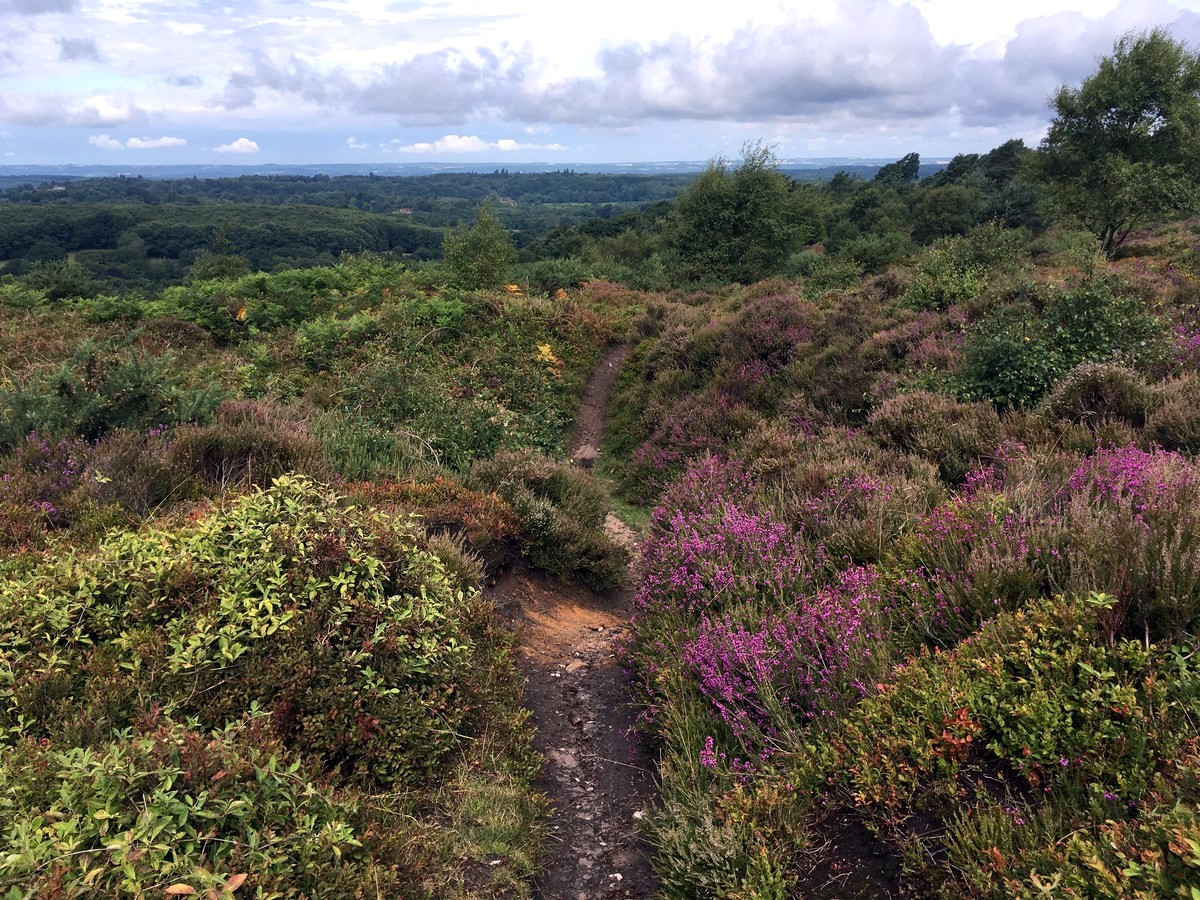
164	806
1010	358
333	620
956	269
828	272
1017	351
478	256
562	512
548	276
1082	723
101	390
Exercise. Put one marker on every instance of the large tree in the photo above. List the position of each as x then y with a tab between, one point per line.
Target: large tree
739	223
1123	149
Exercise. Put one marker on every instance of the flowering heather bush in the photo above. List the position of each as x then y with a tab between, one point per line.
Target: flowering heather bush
682	431
928	341
1095	392
1134	523
708	555
1185	348
41	488
954	436
769	330
1175	422
965	562
853	517
785	668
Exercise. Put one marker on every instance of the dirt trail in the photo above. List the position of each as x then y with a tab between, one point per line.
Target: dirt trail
596	775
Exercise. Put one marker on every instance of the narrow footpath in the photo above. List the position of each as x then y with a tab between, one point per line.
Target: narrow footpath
596	775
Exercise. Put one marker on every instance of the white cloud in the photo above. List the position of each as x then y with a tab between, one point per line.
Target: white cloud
104	142
108	142
185	28
355	144
241	145
136	143
471	143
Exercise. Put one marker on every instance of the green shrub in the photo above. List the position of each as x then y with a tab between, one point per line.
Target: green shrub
1095	392
1016	352
829	272
1009	358
562	512
477	257
1037	703
101	390
953	436
165	805
956	269
250	442
320	341
546	276
331	619
1175	422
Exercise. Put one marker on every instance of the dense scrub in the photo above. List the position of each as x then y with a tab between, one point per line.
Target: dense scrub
921	587
260	693
218	674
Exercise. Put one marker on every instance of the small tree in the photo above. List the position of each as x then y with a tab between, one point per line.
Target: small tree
477	257
1124	147
737	224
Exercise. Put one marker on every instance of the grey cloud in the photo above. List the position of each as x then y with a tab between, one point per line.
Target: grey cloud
38	7
1051	51
296	76
444	87
184	80
874	59
78	48
55	109
874	64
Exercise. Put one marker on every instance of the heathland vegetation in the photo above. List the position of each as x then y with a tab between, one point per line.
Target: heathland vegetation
915	461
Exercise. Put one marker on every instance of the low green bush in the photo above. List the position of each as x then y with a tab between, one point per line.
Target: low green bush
1017	351
249	442
562	512
954	436
332	619
1096	392
1175	422
166	808
102	389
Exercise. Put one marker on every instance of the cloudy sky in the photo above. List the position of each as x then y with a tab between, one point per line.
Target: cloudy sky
286	81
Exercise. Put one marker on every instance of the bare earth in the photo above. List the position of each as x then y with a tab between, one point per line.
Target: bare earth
598	777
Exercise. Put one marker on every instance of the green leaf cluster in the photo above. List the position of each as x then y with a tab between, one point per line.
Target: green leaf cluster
1123	149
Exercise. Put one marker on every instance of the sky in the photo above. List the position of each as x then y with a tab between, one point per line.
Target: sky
149	82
